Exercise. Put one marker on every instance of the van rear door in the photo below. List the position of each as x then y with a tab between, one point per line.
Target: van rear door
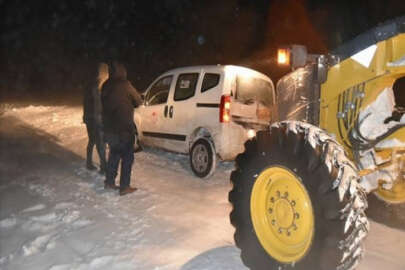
253	99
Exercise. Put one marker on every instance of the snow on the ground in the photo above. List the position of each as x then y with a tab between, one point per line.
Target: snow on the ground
55	215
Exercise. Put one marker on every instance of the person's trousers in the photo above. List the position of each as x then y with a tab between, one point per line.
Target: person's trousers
120	150
95	135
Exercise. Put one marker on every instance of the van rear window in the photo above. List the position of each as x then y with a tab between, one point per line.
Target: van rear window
210	81
251	90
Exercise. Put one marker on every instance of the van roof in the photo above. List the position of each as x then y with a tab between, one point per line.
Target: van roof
217	68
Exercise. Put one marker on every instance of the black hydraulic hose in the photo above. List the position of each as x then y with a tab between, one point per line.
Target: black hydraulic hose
360	145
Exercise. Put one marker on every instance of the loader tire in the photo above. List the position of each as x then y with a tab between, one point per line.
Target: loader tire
296	201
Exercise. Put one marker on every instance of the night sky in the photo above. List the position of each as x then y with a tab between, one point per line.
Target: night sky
47	47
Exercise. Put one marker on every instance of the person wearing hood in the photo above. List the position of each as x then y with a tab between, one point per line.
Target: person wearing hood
119	98
92	117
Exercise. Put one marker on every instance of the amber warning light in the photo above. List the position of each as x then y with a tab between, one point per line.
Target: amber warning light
283	56
225	109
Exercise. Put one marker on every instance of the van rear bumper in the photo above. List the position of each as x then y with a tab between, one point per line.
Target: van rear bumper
230	141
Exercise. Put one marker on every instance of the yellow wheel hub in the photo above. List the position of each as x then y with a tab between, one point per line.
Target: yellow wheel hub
282	214
394	195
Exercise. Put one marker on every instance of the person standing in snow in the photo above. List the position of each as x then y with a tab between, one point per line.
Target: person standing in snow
119	98
92	117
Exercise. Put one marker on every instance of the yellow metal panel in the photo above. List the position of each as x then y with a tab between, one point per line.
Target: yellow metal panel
350	87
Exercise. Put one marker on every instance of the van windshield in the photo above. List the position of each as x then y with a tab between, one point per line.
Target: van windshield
251	90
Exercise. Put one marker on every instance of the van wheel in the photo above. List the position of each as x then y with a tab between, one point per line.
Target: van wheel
202	158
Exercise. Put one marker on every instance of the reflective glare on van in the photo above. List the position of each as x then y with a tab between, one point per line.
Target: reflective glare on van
251	133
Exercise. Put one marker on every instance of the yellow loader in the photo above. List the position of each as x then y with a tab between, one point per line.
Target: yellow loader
300	188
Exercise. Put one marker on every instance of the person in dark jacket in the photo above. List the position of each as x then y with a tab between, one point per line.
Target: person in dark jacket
92	117
119	98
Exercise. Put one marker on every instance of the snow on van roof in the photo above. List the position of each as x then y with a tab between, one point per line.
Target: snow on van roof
217	68
248	71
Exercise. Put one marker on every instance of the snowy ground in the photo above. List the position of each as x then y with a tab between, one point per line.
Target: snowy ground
55	215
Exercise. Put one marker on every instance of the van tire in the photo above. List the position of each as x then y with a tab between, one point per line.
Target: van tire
203	158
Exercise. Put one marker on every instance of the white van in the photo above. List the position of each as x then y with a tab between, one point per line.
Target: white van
205	111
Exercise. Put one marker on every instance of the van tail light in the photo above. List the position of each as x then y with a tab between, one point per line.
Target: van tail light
225	109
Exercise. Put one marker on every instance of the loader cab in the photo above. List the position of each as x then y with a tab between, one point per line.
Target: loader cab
298	91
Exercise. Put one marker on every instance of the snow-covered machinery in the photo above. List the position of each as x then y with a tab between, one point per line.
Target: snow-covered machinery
300	189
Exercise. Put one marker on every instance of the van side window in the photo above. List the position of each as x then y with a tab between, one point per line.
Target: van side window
185	87
210	81
159	92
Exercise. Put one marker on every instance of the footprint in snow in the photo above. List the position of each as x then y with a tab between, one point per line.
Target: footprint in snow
65	205
51	217
34	208
39	244
70	217
42	190
81	223
86	185
8	223
81	171
97	263
101	262
61	267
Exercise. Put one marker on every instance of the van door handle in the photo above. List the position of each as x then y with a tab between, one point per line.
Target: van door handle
166	110
171	112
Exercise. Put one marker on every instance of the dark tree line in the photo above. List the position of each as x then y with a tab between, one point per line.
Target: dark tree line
48	46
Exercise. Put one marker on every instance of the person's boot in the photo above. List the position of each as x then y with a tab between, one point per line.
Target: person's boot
90	166
127	190
103	163
103	169
110	186
89	157
137	149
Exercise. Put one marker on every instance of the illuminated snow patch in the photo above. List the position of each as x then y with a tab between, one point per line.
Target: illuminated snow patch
34	208
365	56
398	63
8	222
